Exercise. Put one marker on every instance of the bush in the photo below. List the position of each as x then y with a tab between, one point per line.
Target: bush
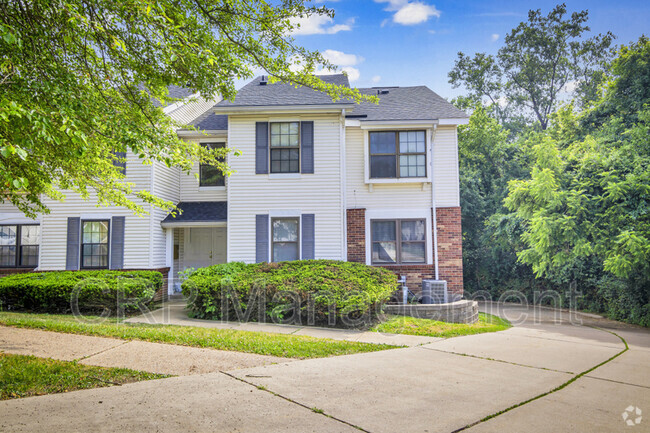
300	292
108	292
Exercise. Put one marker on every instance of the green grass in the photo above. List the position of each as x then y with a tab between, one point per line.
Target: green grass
433	328
26	376
286	346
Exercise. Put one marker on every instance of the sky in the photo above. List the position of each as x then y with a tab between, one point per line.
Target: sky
415	42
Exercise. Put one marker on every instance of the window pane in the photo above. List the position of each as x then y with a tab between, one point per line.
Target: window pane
384	252
413	230
285	230
382	142
285	161
383	231
30	235
413	252
412	165
285	251
275	128
382	166
8	235
211	176
7	256
412	142
29	256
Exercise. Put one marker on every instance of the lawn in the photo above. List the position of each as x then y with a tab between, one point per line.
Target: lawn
286	346
433	328
26	376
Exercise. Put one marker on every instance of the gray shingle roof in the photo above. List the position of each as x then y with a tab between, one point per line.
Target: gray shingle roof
400	103
209	121
254	94
406	103
200	211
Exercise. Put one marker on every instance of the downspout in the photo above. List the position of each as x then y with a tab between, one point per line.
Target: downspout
433	203
344	219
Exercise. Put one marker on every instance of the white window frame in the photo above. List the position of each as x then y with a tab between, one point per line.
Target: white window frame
400	214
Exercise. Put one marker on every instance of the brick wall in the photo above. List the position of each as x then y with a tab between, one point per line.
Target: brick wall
450	248
356	222
450	253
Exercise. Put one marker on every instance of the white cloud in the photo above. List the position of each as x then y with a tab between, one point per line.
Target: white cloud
319	25
353	73
376	79
409	13
494	37
341	59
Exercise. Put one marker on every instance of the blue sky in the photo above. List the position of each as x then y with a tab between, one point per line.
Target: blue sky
415	42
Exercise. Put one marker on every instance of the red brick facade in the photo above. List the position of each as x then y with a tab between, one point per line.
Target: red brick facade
450	253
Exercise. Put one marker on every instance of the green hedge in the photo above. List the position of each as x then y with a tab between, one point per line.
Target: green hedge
108	292
308	292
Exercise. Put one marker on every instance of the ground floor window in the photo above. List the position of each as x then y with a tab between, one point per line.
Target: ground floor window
19	245
398	241
285	236
94	244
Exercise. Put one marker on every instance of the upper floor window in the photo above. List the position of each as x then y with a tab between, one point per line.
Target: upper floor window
209	175
397	154
285	147
119	161
19	245
398	241
94	244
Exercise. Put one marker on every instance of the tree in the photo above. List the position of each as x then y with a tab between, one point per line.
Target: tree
81	82
539	59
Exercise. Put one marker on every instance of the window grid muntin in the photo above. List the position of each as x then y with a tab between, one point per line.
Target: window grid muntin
284	144
418	155
207	168
11	255
399	242
95	245
296	220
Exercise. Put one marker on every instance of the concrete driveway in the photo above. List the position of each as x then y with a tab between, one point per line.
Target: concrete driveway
444	386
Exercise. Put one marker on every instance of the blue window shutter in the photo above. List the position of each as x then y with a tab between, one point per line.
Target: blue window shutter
308	237
261	238
261	147
72	246
307	147
117	242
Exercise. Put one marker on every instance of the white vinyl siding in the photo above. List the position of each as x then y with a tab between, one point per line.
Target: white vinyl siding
320	193
407	195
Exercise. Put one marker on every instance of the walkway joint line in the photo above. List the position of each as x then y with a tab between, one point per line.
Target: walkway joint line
320	412
102	351
556	389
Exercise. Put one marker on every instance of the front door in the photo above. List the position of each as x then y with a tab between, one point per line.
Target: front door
204	246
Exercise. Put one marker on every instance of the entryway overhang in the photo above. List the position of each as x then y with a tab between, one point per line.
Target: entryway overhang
198	214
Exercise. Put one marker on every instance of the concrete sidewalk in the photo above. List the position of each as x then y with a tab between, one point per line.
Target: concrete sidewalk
174	313
136	355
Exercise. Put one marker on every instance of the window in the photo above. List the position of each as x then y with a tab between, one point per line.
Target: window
285	235
19	245
94	244
209	175
285	147
397	154
398	241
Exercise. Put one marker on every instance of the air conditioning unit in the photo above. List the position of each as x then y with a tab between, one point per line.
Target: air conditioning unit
434	292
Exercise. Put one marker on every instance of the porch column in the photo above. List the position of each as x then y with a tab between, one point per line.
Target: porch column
169	260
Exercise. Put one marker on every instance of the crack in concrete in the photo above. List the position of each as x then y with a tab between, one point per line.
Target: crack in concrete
496	360
312	409
617	381
554	390
102	351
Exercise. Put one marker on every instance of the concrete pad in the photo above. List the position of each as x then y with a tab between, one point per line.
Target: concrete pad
518	347
395	339
587	405
632	367
177	360
572	334
66	347
405	390
205	403
637	339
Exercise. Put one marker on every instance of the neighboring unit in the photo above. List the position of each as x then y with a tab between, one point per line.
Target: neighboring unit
316	179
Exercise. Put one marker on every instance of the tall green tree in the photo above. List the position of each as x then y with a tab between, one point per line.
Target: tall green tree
540	57
81	80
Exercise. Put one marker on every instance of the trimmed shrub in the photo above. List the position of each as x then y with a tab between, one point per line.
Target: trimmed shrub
308	292
107	292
